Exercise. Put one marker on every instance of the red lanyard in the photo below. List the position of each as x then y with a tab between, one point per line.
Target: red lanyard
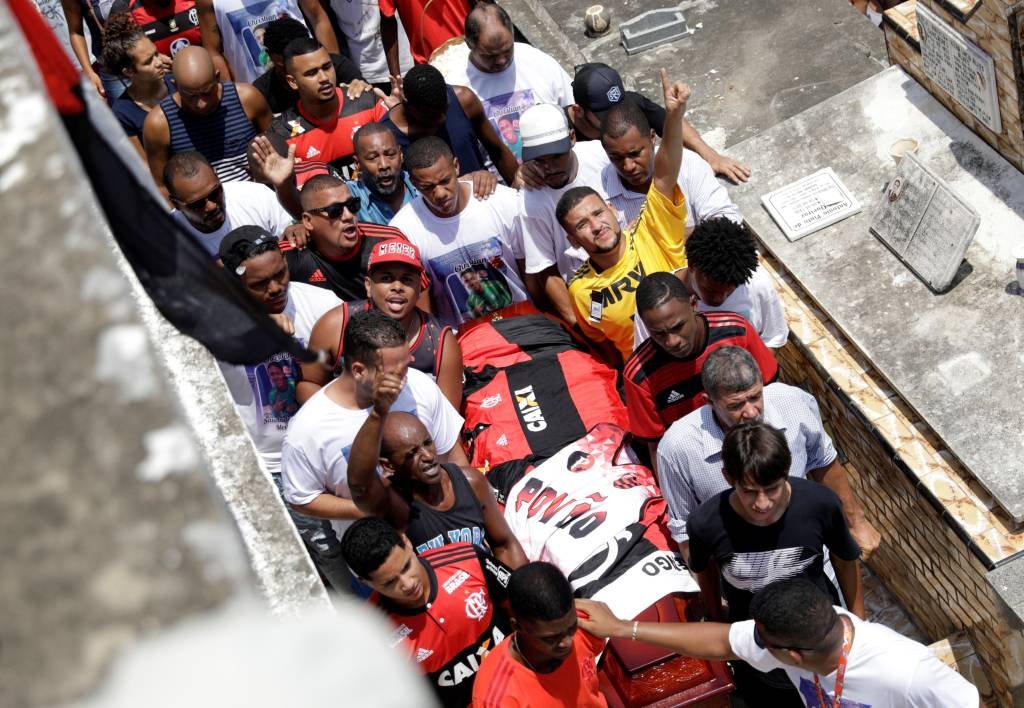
840	669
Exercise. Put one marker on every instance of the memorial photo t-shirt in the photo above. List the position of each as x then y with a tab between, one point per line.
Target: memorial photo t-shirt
470	257
242	24
264	394
532	77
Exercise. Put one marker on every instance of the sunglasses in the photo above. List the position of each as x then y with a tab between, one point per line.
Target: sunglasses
334	211
216	196
765	644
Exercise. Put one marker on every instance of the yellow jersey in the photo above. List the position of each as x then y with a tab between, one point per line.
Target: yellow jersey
605	302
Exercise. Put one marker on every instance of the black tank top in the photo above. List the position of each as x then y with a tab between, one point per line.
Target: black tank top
464	522
426	350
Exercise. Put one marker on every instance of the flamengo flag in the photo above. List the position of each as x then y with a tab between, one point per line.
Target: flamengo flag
199	298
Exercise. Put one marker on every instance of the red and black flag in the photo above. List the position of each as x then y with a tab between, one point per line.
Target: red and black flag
199	298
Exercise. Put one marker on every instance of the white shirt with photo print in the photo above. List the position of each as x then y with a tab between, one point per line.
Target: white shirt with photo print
884	670
486	238
264	408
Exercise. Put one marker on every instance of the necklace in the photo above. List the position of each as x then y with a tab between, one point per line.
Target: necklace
515	642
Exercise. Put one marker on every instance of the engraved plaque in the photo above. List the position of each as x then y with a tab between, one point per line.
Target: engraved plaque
810	204
925	224
965	72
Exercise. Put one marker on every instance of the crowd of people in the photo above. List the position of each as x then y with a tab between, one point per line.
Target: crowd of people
378	209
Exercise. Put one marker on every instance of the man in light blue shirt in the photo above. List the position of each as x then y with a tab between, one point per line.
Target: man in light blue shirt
383	186
690	453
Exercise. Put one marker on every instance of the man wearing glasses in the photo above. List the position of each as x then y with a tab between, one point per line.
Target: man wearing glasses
339	244
209	209
832	657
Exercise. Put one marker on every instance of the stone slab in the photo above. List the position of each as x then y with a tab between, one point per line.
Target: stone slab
957	358
926	224
960	67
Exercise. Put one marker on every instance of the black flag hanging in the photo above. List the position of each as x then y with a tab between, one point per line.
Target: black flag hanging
196	296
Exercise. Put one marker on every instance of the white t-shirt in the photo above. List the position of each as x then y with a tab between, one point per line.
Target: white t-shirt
470	257
264	395
706	198
532	77
758	302
544	238
314	457
245	204
884	670
359	21
242	24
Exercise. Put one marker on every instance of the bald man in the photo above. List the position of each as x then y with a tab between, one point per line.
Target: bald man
215	118
434	504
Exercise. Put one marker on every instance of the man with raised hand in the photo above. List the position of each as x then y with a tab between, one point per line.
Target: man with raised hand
603	290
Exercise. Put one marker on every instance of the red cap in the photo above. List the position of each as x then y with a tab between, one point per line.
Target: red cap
395	251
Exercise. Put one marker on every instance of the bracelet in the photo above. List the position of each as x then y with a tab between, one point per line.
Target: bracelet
636	625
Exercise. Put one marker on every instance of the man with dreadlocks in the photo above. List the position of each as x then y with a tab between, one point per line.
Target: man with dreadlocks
723	274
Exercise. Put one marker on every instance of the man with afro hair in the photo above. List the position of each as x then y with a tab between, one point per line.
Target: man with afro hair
430	107
723	273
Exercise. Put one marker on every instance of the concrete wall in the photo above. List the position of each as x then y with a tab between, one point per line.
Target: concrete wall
989	29
915	494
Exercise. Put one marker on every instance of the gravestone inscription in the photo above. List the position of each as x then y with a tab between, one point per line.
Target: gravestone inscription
959	67
925	223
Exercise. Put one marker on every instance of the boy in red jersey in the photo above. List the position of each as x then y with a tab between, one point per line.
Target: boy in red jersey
443	603
547	662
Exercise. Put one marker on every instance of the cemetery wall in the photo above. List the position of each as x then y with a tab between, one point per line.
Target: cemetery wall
993	26
940	533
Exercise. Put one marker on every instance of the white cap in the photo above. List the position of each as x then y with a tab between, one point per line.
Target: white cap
544	130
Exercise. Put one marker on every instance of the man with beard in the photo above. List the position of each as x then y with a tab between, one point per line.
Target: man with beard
383	186
323	122
339	246
433	504
603	290
209	209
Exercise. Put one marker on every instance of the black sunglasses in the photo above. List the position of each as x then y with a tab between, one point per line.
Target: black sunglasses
216	195
334	211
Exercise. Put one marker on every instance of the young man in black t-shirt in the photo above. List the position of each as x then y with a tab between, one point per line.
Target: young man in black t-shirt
447	605
768	527
339	246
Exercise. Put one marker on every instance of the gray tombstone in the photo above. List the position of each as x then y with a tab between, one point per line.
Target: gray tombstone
925	223
653	28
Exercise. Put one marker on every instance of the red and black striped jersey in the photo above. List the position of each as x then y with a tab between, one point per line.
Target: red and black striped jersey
661	388
462	621
344	277
327	141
